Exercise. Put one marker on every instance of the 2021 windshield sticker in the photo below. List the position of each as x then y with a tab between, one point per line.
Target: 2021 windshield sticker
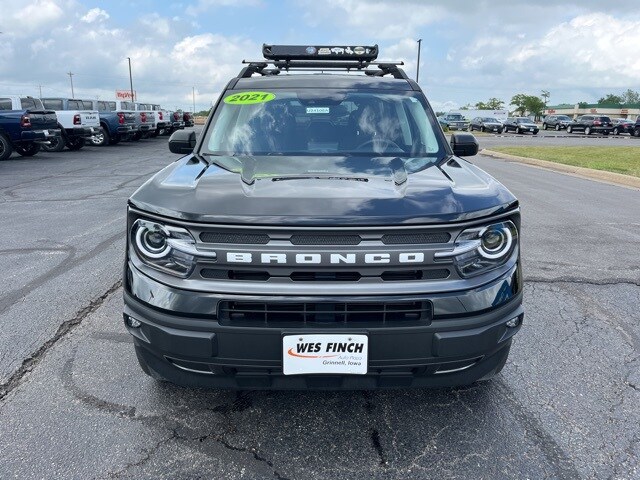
249	98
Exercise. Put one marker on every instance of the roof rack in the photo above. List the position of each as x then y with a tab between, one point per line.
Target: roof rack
300	57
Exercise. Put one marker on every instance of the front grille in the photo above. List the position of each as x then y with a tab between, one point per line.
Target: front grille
236	238
322	276
415	238
325	239
324	314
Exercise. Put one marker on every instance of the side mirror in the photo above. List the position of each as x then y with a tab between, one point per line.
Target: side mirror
464	144
182	141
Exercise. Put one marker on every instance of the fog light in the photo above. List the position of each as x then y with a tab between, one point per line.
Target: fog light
514	322
133	323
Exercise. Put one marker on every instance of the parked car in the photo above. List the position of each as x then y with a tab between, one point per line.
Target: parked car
25	125
149	122
453	121
622	125
636	128
486	124
318	247
115	124
78	122
129	107
520	125
590	124
557	122
188	119
162	120
176	121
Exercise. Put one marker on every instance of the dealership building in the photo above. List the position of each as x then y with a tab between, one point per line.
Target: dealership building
630	111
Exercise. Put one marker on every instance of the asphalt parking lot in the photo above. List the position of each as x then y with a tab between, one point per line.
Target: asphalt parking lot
76	405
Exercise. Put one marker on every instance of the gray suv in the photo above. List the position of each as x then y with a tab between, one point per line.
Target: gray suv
557	122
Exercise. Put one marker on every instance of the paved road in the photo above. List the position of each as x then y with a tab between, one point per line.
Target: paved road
567	404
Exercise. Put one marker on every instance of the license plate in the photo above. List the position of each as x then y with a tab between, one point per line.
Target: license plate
325	353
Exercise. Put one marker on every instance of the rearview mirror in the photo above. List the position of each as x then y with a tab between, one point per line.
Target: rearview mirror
464	144
182	142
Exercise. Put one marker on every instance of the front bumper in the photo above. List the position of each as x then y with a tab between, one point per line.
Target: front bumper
181	340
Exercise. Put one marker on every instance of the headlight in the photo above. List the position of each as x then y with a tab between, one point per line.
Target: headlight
481	249
166	248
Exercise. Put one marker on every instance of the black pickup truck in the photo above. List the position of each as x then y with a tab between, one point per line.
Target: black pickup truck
25	125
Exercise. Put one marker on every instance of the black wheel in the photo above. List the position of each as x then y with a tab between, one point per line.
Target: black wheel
102	138
56	144
557	127
471	128
500	130
569	129
115	139
153	134
544	126
587	131
28	150
5	147
616	131
482	129
636	132
518	131
75	143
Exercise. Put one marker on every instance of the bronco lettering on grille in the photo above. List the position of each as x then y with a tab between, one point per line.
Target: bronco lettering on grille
329	258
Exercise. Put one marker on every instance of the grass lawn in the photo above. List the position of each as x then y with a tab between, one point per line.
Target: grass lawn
624	160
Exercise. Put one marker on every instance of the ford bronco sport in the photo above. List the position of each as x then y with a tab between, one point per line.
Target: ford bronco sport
320	233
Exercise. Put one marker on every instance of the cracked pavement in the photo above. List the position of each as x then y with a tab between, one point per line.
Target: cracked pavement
567	404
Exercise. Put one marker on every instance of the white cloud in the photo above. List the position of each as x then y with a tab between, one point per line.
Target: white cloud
95	14
384	19
204	5
28	17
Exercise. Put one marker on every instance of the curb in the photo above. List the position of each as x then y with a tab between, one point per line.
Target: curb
588	173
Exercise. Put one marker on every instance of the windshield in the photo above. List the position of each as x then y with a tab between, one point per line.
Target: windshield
524	120
329	122
563	117
491	120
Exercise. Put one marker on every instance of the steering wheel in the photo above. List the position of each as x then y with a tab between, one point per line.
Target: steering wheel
380	142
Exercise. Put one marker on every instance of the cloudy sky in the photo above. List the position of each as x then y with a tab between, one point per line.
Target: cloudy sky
471	50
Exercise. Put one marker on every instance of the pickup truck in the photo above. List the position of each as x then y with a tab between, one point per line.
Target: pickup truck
77	120
176	121
148	119
188	119
454	121
25	125
115	124
162	121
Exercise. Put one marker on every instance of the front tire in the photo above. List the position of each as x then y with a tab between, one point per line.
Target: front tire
569	129
544	126
587	131
28	150
616	131
557	127
5	147
75	144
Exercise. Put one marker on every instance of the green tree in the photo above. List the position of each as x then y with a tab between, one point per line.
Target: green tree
630	96
610	99
481	106
534	105
519	101
495	104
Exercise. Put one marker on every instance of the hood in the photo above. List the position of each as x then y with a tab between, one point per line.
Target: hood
342	190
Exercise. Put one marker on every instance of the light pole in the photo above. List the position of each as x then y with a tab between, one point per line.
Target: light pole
130	80
71	79
418	67
193	91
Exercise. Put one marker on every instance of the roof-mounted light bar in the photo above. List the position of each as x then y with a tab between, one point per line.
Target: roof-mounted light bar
362	54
